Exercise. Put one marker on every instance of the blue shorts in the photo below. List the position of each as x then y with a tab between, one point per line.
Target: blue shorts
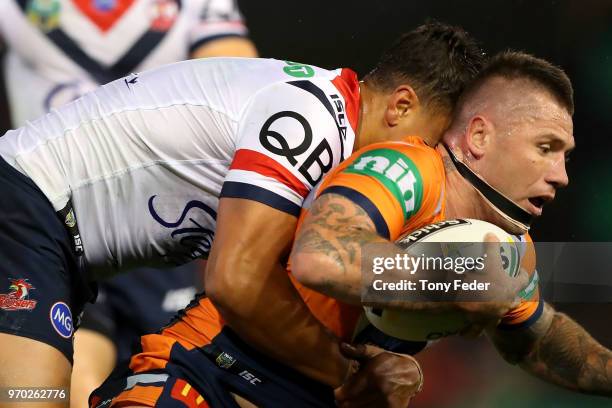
43	286
206	376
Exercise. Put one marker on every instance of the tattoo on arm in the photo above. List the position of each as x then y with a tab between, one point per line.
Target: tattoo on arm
567	355
334	234
337	228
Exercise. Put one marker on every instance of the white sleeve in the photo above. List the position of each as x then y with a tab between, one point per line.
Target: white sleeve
217	19
287	140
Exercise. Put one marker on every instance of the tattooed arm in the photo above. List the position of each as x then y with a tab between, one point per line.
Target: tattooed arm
559	350
328	248
258	301
332	243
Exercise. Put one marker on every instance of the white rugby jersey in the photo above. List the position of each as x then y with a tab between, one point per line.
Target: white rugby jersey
60	49
145	159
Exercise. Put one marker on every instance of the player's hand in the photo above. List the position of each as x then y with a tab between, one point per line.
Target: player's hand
384	379
502	295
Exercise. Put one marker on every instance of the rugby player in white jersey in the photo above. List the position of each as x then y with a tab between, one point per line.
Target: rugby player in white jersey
60	49
144	168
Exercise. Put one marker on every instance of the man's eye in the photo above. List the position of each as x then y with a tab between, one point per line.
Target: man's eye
545	148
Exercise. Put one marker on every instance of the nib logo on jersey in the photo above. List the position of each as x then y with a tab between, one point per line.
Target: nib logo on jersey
397	172
17	298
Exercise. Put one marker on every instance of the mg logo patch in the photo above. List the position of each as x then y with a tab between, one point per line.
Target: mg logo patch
61	319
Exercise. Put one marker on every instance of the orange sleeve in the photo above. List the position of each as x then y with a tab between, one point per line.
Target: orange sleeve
393	182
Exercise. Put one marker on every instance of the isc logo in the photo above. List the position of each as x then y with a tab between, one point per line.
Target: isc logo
249	377
78	243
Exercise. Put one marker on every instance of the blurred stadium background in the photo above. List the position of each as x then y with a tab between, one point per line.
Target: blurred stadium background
575	34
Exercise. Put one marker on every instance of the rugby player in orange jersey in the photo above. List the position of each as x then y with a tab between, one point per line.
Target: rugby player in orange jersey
504	158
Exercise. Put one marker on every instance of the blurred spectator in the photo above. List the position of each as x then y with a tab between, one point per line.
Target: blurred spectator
58	50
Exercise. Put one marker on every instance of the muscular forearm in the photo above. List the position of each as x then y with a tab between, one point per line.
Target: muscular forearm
568	356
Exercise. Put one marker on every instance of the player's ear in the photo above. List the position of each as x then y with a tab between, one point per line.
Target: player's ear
402	102
478	135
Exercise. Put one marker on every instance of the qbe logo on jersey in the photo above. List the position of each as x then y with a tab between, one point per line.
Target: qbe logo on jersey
61	319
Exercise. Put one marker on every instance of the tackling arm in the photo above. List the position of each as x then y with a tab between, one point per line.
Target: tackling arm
557	349
248	283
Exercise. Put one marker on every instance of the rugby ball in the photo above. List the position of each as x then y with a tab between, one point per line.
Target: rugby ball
457	238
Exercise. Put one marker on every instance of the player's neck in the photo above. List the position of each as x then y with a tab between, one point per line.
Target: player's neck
462	199
373	126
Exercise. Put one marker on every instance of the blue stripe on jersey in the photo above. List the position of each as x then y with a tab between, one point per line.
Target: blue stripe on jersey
77	55
523	325
233	189
365	203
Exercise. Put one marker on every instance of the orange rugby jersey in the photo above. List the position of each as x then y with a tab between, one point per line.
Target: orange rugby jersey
401	187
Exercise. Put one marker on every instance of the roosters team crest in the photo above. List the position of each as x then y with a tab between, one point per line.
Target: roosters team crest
17	299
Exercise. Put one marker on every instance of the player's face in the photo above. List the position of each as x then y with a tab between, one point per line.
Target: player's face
526	156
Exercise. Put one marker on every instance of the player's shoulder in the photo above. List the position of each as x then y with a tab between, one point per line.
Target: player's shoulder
275	70
329	87
412	153
398	180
